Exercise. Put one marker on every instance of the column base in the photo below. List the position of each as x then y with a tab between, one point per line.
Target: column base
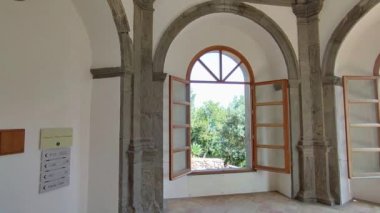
307	197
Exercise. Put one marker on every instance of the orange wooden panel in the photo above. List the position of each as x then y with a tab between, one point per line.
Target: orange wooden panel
12	141
285	125
176	174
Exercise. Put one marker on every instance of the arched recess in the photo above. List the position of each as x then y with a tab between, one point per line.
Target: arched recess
338	185
340	33
260	18
230	6
122	26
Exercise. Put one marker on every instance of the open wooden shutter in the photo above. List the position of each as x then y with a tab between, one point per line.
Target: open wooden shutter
362	114
271	126
179	127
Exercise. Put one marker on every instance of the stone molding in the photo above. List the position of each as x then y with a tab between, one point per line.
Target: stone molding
286	3
332	80
308	9
108	72
226	6
119	16
145	4
159	76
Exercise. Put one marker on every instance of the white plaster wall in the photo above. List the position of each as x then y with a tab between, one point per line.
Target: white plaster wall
331	15
366	189
285	18
45	82
268	64
166	11
104	146
105	45
357	57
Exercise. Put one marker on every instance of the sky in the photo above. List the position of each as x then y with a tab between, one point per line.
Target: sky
222	93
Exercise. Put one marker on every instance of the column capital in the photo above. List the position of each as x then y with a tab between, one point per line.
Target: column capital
307	9
332	80
159	76
145	4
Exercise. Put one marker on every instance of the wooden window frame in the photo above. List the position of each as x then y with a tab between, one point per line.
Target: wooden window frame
349	125
172	151
249	81
285	126
220	80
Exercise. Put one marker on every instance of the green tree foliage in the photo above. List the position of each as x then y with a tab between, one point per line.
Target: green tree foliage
219	132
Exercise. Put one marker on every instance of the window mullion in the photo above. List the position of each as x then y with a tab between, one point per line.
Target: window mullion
232	71
208	70
220	65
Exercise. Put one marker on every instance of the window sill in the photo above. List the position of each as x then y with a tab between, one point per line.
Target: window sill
221	171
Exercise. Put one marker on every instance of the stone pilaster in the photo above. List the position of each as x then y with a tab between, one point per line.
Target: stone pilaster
313	146
142	150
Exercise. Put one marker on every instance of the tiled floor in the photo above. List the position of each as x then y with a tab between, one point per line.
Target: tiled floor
269	202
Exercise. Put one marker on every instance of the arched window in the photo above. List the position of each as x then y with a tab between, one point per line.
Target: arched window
221	81
362	119
221	121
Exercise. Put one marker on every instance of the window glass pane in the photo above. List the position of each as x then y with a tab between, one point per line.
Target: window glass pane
365	137
179	114
362	89
363	113
179	138
268	93
219	93
220	130
270	136
178	91
229	63
365	162
199	73
269	114
271	157
179	162
237	76
212	61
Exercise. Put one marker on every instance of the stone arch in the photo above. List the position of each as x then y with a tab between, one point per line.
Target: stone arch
240	9
122	26
376	68
341	32
257	16
126	44
332	124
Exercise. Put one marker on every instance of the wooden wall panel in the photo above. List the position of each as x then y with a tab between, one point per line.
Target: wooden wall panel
12	141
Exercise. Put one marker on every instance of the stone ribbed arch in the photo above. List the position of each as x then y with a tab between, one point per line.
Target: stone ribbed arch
340	33
226	6
126	53
123	29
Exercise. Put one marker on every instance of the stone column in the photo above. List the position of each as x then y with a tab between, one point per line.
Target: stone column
313	146
332	131
294	100
142	149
